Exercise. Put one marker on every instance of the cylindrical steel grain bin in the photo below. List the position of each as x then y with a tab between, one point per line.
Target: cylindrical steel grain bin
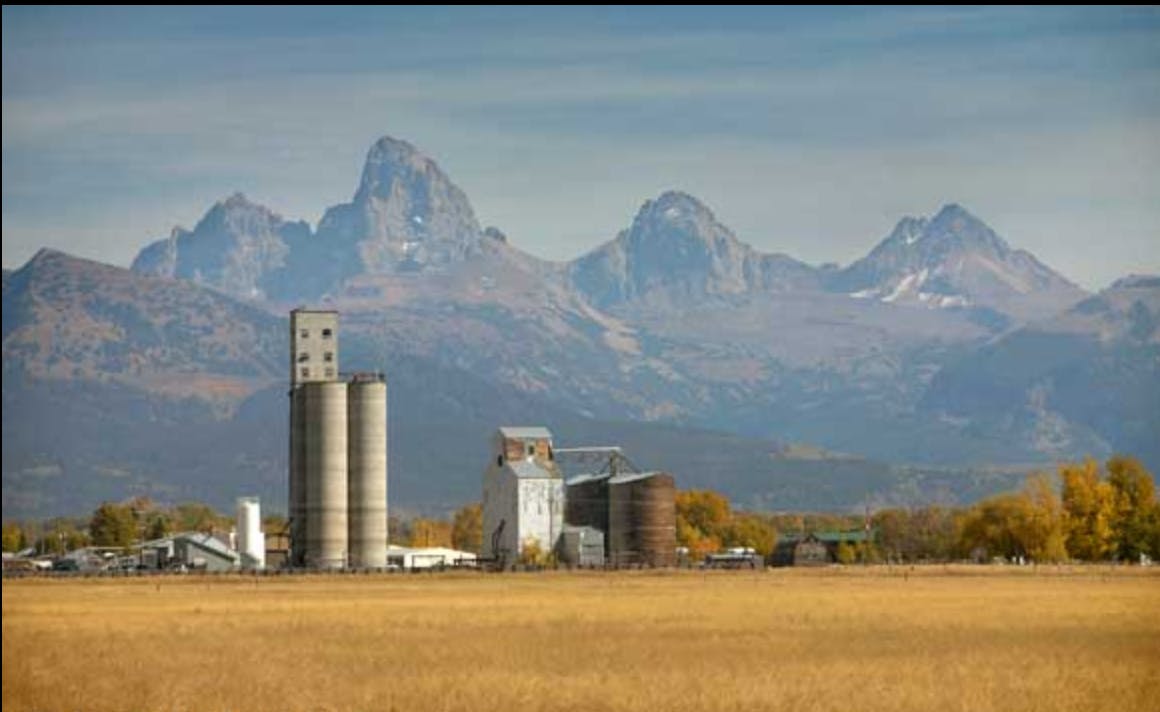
586	501
642	527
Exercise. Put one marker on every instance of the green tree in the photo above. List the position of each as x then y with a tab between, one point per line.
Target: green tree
195	516
113	525
467	528
846	553
158	525
1134	497
63	534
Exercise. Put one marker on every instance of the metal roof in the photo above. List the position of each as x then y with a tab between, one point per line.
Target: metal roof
529	470
633	477
853	536
519	432
589	477
204	541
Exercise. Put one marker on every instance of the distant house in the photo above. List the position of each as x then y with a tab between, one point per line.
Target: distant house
815	548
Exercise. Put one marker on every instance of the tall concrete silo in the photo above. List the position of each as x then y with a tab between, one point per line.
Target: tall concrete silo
297	508
367	460
325	435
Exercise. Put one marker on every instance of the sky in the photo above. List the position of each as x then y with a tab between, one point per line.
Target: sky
807	131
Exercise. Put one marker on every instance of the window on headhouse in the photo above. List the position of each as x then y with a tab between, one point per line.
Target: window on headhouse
303	357
304	333
330	373
326	333
306	373
328	356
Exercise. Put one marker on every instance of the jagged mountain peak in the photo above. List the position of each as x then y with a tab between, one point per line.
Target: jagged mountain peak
406	216
676	216
238	214
677	250
955	260
954	223
389	161
237	247
675	205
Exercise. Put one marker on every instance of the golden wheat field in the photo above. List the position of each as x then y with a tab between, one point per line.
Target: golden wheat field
834	639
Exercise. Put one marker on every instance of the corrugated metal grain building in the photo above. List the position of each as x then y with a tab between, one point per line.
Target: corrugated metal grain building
636	511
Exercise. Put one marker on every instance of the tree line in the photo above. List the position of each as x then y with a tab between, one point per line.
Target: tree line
124	524
1085	511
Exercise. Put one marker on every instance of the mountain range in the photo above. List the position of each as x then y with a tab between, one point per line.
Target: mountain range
942	364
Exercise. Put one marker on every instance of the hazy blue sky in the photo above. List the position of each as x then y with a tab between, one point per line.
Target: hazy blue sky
807	131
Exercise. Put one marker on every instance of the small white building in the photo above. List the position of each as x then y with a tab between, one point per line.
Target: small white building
523	496
428	557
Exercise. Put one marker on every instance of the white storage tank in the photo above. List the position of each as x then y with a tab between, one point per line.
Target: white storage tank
251	541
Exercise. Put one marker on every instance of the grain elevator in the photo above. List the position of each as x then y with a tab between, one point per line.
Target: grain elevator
338	452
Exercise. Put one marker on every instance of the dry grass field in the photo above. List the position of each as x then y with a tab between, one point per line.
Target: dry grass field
855	639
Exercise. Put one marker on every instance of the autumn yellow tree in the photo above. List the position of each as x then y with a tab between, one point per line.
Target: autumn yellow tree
430	532
533	554
13	537
993	525
113	525
1089	511
1041	526
750	530
467	528
702	516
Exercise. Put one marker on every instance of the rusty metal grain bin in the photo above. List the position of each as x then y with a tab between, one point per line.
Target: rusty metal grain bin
586	502
642	519
326	474
367	461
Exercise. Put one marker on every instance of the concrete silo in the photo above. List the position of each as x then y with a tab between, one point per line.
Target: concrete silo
338	453
313	360
325	434
367	462
297	508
